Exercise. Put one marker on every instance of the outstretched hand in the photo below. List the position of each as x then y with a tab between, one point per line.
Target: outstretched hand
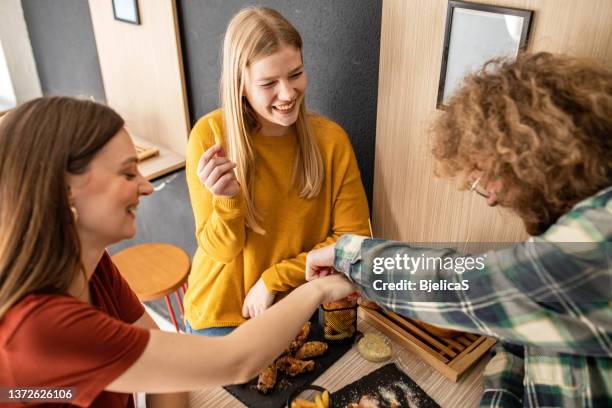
335	287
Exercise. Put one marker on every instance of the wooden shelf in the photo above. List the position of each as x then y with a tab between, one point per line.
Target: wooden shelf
165	162
153	102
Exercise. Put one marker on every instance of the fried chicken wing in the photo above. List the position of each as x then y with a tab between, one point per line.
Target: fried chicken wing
300	338
311	349
267	378
293	366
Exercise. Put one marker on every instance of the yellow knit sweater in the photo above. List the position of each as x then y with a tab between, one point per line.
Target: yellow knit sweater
230	258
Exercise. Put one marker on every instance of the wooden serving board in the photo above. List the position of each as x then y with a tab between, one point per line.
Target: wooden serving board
451	356
144	151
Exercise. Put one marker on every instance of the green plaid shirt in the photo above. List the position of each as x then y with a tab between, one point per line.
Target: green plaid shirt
548	301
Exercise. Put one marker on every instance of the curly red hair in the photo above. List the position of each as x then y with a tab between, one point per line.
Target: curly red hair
541	126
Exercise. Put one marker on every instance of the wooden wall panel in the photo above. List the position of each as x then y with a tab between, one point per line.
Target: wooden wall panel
410	203
142	71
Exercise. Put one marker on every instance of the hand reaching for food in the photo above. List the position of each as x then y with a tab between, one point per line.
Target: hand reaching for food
334	287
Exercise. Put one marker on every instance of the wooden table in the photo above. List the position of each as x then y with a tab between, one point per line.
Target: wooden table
351	367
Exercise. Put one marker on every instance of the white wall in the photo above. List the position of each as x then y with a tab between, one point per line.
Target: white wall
15	42
7	93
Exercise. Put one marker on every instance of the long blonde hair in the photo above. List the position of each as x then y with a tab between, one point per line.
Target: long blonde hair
40	142
254	33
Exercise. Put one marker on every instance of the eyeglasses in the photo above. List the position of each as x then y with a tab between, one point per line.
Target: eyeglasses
478	189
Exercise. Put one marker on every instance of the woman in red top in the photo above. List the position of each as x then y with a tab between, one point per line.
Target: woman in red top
70	187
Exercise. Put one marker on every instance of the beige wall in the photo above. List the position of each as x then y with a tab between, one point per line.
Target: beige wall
142	71
409	202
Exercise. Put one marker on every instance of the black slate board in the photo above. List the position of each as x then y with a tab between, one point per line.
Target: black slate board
285	385
388	377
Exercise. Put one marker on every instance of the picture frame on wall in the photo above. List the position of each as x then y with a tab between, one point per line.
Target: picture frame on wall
474	34
126	11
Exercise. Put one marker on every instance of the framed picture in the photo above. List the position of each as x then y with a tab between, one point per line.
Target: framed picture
474	34
127	11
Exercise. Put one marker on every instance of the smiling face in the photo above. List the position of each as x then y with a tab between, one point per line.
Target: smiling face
107	194
275	87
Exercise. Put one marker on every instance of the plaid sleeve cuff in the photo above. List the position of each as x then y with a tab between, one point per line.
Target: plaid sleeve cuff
503	378
347	252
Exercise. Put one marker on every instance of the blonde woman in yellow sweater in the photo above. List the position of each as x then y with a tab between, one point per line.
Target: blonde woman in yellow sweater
268	180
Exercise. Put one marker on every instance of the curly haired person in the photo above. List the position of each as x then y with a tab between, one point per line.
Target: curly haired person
533	136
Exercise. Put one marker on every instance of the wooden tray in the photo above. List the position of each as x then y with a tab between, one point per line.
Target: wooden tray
145	151
450	356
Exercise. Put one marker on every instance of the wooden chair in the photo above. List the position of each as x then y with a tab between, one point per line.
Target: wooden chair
154	271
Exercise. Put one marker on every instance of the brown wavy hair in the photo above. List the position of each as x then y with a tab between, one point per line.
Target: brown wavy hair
40	143
541	126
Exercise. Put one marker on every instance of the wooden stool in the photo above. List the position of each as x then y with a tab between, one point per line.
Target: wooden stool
154	271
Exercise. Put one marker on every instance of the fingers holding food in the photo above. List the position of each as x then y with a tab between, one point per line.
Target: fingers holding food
211	152
216	172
